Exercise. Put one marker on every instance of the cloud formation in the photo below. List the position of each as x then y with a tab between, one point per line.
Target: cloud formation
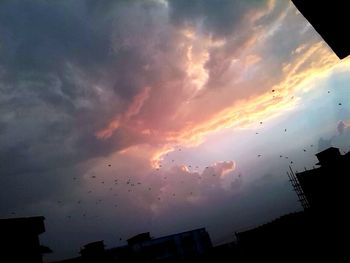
86	83
227	80
342	126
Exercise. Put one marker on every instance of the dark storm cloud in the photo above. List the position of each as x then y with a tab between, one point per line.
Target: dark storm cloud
43	35
219	18
68	68
227	20
260	28
60	81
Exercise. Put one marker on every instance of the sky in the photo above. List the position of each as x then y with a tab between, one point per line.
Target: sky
161	116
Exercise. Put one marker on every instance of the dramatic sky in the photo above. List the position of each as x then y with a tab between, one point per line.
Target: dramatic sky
121	117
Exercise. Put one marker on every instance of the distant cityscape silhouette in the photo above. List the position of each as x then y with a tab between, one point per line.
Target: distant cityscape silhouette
314	233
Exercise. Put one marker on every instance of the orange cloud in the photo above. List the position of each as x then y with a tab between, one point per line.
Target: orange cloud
137	103
108	131
244	99
246	113
314	62
132	110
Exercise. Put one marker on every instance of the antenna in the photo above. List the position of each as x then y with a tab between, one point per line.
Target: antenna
297	188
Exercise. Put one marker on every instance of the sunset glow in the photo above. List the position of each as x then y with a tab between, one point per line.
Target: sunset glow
124	117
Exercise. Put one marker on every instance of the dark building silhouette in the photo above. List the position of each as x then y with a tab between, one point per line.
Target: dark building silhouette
317	233
94	252
173	248
330	20
182	247
139	238
19	239
325	187
289	237
223	253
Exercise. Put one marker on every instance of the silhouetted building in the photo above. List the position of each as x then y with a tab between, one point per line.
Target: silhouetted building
173	248
325	187
182	247
330	20
316	233
93	252
19	239
223	253
139	238
276	238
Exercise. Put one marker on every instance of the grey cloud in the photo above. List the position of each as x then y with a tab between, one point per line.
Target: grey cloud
219	18
43	35
340	140
341	127
225	20
53	55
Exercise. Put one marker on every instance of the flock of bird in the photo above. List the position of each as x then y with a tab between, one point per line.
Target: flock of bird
131	185
285	130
